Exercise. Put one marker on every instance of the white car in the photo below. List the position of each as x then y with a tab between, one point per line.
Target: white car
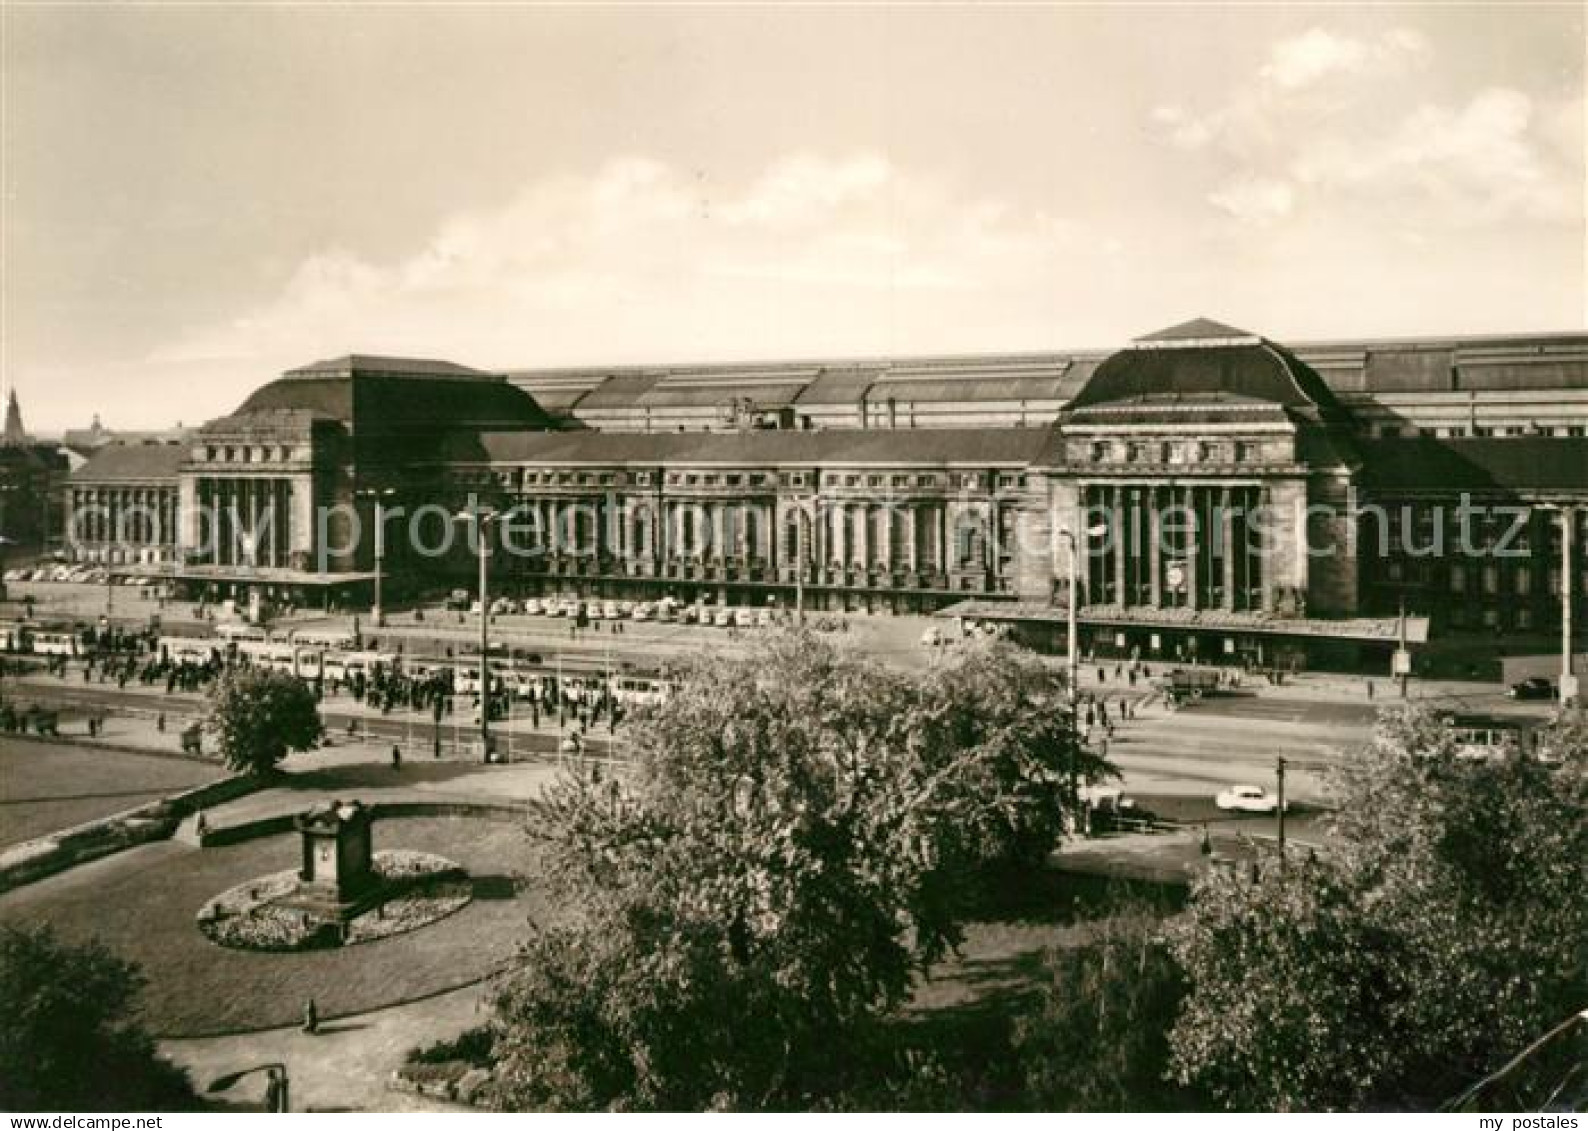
610	610
642	611
1248	799
532	607
722	618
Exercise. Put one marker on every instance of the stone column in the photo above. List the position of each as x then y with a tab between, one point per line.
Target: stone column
1227	537
863	536
1154	548
1116	501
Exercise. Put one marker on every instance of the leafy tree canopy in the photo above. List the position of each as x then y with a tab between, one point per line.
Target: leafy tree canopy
1447	930
67	1043
796	840
259	716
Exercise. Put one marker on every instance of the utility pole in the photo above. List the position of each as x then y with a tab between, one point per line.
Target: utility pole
482	521
1279	773
485	646
1402	656
1568	579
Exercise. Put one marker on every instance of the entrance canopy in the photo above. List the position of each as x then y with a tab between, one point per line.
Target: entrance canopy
1382	630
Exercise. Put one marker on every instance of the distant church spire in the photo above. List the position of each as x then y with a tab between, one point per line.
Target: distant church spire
14	434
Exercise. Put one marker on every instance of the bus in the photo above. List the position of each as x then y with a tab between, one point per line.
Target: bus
330	638
265	654
188	650
240	632
1490	736
57	644
15	636
346	666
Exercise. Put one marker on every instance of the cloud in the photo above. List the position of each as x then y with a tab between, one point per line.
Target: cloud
640	250
1318	54
1326	121
1475	163
1255	200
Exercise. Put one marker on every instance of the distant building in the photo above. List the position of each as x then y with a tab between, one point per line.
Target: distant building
14	435
32	485
79	444
920	484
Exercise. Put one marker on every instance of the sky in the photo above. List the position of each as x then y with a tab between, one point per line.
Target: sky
197	197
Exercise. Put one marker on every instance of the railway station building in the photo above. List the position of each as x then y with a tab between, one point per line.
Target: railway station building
1218	495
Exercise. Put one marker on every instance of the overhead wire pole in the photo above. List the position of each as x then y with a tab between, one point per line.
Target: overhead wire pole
482	520
1568	537
1072	625
1279	773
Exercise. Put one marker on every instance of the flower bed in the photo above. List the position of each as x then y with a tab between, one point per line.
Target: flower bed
420	889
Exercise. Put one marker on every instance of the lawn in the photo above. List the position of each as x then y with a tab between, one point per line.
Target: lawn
45	786
142	904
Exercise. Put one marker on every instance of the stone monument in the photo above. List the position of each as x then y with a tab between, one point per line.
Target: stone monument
337	879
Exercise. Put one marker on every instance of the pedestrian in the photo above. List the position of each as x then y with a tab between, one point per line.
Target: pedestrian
396	757
1369	689
311	1017
159	722
275	1091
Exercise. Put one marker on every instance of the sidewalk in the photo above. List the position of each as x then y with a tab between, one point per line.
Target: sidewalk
346	1066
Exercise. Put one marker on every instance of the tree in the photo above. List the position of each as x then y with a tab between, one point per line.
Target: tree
259	716
793	844
1097	1036
1446	931
68	1043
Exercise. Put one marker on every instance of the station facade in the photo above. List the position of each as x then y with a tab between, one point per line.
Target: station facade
1217	493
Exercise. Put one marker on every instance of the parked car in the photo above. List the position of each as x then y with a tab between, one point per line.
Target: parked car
1534	687
533	607
722	618
1248	799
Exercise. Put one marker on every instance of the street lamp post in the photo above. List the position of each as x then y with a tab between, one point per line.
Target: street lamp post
1568	538
280	1101
379	495
1072	625
482	521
